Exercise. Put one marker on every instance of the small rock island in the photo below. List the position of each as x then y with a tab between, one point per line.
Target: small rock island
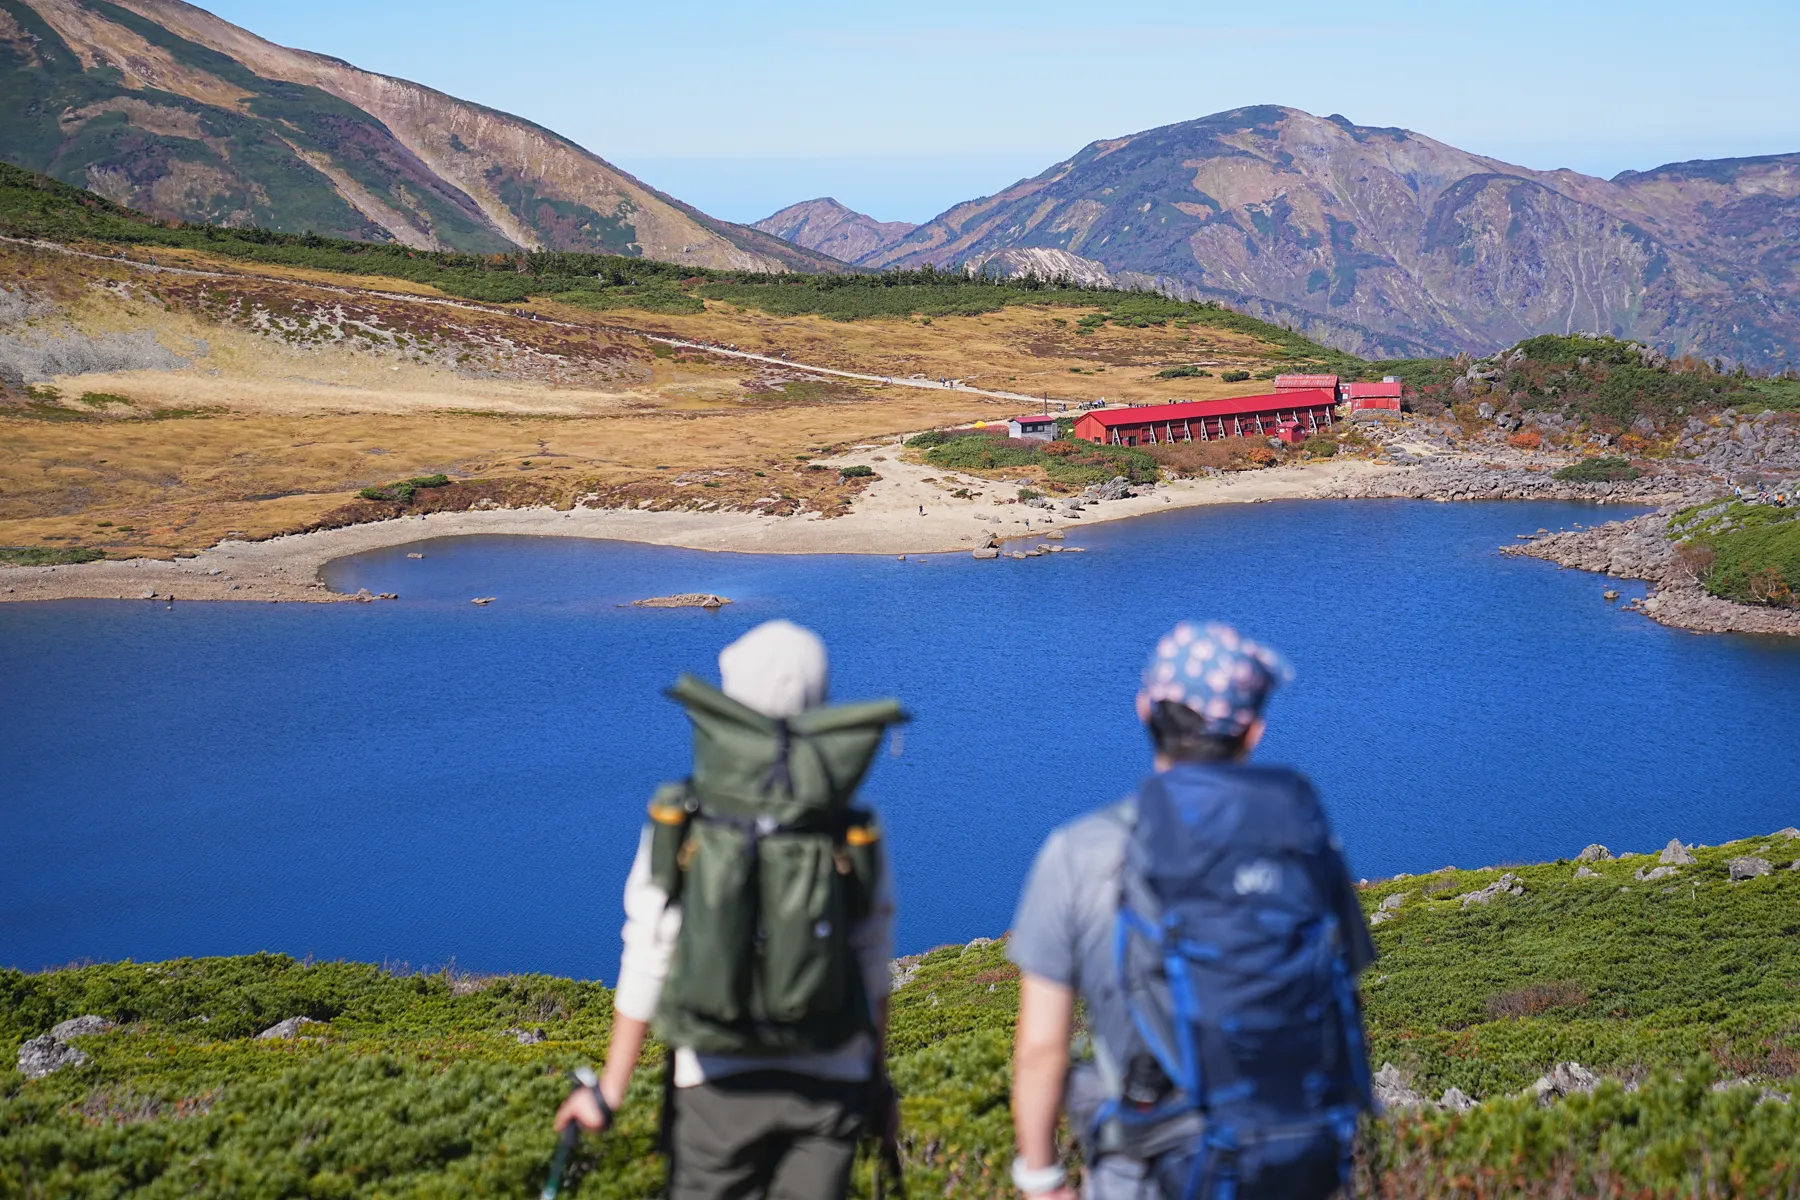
684	600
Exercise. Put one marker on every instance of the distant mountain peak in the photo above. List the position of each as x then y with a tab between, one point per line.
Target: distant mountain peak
1388	243
831	228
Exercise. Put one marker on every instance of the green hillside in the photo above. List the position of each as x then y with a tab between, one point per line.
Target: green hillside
36	206
417	1085
242	166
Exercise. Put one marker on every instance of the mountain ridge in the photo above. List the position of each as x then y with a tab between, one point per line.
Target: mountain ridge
171	109
1388	243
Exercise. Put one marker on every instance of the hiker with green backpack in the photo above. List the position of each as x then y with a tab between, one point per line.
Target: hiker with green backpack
1210	924
759	927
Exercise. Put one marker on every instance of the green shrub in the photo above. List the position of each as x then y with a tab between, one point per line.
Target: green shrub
980	452
1235	376
1183	373
1320	445
857	472
928	439
420	1088
49	556
1759	564
644	299
402	492
1598	470
493	287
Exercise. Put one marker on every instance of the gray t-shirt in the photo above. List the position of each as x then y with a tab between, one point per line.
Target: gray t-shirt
1063	930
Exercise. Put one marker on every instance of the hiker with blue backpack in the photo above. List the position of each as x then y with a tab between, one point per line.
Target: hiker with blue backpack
1211	926
759	917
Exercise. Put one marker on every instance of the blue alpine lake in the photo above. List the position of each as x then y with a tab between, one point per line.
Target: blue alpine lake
427	780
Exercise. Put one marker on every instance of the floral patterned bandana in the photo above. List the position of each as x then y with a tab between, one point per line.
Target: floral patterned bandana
1217	672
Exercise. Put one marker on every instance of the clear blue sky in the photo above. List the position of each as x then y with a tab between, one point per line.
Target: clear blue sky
901	110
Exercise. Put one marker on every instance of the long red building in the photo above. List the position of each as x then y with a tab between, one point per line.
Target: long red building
1284	413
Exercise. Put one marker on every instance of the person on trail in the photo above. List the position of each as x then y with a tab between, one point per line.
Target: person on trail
1211	926
759	918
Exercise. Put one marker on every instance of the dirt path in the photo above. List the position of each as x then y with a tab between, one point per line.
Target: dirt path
894	380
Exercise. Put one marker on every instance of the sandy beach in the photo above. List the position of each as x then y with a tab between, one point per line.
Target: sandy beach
886	519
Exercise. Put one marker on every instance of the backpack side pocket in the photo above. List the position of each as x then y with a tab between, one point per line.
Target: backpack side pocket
860	864
671	812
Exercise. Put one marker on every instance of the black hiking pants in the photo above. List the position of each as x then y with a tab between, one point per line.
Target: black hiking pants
764	1135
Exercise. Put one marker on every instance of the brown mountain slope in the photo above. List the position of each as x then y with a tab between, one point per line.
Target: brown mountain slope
831	228
1385	242
161	105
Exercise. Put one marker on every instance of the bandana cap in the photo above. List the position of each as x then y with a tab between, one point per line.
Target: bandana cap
1215	671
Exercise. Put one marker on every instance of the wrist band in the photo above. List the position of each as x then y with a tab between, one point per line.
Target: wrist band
1038	1181
607	1115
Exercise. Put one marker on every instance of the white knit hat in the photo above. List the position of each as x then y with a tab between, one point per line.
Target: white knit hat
778	669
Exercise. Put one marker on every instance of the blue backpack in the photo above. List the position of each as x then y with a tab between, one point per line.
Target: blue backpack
1235	972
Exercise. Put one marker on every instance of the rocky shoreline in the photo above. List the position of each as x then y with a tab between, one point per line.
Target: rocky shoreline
1641	548
289	568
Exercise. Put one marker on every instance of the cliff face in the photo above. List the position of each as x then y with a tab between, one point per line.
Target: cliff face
165	107
830	228
1387	243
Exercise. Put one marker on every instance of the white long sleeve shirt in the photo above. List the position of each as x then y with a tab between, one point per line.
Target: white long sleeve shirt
651	926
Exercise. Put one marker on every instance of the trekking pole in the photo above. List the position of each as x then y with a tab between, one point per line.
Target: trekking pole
890	1158
565	1144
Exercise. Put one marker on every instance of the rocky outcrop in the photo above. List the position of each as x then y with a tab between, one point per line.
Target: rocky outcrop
1745	448
1676	854
1749	867
1508	884
1393	1092
51	1052
1563	1080
285	1030
1635	549
46	1055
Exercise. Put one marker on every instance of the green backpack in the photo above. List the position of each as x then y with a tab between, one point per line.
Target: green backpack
771	866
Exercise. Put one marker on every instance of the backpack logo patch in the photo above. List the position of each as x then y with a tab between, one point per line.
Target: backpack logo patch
1257	878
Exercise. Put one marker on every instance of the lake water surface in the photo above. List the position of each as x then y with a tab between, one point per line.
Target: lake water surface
426	779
